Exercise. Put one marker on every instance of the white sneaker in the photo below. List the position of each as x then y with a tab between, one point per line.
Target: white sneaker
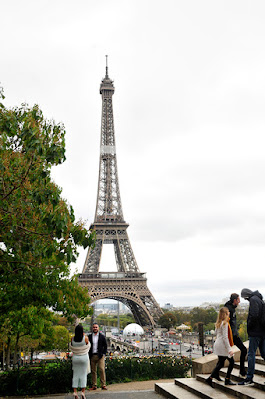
246	382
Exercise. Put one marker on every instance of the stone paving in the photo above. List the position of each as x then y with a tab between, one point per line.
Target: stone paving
129	390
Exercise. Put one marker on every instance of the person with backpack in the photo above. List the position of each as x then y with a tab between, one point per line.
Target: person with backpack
232	304
255	329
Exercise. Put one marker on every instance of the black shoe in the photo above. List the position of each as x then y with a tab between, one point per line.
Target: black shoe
217	378
242	373
229	382
247	381
209	381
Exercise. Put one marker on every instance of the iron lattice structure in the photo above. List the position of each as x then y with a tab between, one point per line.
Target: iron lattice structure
127	284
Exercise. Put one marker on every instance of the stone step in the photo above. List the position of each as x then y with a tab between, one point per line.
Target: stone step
259	367
172	391
243	392
189	388
259	379
202	390
260	360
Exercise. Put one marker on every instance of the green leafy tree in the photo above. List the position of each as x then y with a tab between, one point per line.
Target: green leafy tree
209	327
242	331
167	320
39	236
205	316
61	338
110	320
182	317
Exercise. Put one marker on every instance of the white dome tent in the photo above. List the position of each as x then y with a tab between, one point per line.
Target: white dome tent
133	330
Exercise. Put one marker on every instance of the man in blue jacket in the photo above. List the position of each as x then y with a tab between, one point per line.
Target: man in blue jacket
97	354
256	331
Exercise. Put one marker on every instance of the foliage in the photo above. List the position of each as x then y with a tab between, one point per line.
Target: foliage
110	320
241	315
204	316
57	377
61	338
182	317
146	368
167	320
44	379
242	331
209	327
192	318
39	237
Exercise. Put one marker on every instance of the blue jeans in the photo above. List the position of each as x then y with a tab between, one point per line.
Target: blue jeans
254	343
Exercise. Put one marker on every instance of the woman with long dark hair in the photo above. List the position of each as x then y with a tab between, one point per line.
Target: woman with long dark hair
223	347
80	346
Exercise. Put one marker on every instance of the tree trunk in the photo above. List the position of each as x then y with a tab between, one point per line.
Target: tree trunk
16	349
8	353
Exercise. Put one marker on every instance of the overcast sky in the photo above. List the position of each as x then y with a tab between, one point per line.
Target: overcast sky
189	123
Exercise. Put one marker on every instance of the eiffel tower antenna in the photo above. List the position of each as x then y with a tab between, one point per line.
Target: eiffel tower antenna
127	284
106	66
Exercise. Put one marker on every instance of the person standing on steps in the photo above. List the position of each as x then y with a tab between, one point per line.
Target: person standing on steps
223	348
256	332
97	354
232	304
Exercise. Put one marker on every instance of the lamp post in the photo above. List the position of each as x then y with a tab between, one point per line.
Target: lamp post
201	336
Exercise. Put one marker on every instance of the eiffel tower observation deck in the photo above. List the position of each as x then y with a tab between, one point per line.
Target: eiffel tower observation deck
127	284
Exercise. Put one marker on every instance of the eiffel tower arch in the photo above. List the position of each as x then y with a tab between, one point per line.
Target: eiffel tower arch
127	284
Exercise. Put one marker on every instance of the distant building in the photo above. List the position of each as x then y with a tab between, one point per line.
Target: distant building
209	305
168	306
110	308
185	309
243	306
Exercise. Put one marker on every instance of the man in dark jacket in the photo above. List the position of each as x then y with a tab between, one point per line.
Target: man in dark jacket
232	305
256	332
97	354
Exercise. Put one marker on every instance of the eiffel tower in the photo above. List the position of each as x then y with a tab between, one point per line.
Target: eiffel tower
127	285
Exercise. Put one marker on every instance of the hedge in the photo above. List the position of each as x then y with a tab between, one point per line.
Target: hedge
57	377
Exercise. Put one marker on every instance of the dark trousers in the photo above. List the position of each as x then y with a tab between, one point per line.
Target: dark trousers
220	365
241	346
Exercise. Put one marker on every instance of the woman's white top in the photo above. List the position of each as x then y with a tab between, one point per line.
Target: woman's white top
222	346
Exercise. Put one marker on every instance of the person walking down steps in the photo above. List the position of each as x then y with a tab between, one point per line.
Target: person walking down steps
232	304
256	331
223	348
80	346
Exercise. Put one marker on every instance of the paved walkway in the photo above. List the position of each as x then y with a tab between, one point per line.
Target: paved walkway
128	390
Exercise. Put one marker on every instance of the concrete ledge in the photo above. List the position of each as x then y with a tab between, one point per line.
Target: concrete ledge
206	364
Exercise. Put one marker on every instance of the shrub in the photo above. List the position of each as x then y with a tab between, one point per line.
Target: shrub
146	368
57	377
44	379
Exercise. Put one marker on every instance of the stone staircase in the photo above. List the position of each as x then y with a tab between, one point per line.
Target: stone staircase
192	388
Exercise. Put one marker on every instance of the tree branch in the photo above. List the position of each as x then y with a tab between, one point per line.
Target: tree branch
33	232
23	179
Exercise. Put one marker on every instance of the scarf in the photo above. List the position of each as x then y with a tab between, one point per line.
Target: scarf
80	350
230	335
